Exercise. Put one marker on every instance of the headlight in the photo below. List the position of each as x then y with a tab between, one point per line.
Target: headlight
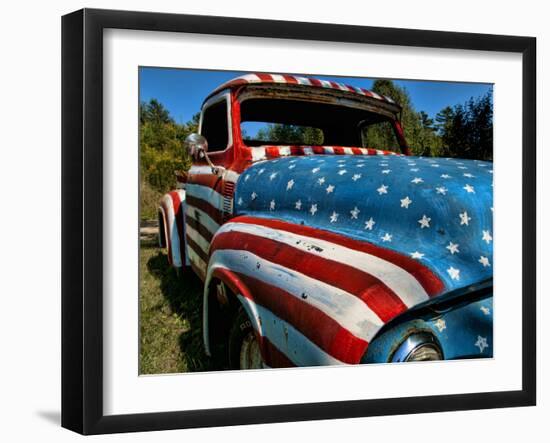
420	346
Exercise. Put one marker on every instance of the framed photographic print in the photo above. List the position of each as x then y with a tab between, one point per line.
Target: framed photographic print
270	221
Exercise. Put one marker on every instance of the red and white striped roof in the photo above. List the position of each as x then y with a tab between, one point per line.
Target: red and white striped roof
304	81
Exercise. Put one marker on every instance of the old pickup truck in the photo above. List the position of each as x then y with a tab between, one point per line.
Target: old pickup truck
337	252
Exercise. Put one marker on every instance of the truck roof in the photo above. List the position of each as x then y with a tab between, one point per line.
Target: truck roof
308	82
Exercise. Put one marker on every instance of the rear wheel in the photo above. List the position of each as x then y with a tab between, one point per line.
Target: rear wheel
244	349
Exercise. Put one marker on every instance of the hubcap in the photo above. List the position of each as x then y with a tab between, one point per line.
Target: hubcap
250	357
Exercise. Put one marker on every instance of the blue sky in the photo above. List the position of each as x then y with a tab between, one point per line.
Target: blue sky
182	91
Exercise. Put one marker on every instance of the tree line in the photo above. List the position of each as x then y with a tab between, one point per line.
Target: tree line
462	130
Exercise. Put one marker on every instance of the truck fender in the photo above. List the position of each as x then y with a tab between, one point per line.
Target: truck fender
171	216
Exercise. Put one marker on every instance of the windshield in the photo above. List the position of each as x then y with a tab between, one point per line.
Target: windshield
275	121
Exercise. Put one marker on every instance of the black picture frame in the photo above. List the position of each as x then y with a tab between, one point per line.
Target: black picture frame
82	218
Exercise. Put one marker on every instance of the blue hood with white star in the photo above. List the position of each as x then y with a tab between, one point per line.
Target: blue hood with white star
436	210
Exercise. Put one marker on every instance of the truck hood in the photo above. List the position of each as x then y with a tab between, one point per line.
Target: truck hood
436	210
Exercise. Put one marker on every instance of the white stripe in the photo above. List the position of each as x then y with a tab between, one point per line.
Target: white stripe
172	229
379	152
258	154
195	169
308	150
345	308
201	217
289	341
197	238
348	151
278	78
329	150
375	95
303	81
396	278
205	193
196	260
284	151
388	99
231	176
326	84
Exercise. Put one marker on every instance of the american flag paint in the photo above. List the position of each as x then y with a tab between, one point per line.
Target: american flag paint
327	250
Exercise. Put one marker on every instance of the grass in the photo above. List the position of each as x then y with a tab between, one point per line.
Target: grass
170	317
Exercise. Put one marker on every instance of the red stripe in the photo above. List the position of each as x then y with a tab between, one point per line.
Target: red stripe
195	247
178	215
272	151
373	292
208	180
366	92
334	85
272	356
199	227
290	79
429	281
313	323
338	150
265	77
315	82
206	207
167	233
357	151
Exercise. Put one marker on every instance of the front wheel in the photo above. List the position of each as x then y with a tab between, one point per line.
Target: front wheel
244	349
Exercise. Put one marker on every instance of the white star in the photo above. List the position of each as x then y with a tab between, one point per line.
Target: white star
445	176
313	209
441	190
261	171
453	248
334	217
386	171
467	174
356	177
481	343
464	219
485	310
440	324
417	255
416	180
386	237
369	224
454	273
253	196
342	172
424	222
247	177
414	169
240	201
434	165
354	212
382	190
272	205
484	261
330	189
298	205
315	170
342	166
487	237
462	167
405	202
469	189
289	184
272	175
321	180
291	166
361	165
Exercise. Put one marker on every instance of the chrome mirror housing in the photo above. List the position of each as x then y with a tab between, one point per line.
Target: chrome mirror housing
196	145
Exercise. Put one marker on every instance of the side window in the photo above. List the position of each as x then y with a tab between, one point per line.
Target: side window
380	135
215	127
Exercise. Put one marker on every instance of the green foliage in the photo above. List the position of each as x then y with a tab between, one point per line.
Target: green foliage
467	130
162	152
290	134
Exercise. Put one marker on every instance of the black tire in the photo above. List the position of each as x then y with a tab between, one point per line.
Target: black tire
241	330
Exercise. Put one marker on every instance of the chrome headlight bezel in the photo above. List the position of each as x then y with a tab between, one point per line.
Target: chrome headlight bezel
416	347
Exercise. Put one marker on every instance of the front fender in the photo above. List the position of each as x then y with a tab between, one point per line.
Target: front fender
171	215
316	298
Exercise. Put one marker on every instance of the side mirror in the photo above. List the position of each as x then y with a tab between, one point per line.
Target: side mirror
196	146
